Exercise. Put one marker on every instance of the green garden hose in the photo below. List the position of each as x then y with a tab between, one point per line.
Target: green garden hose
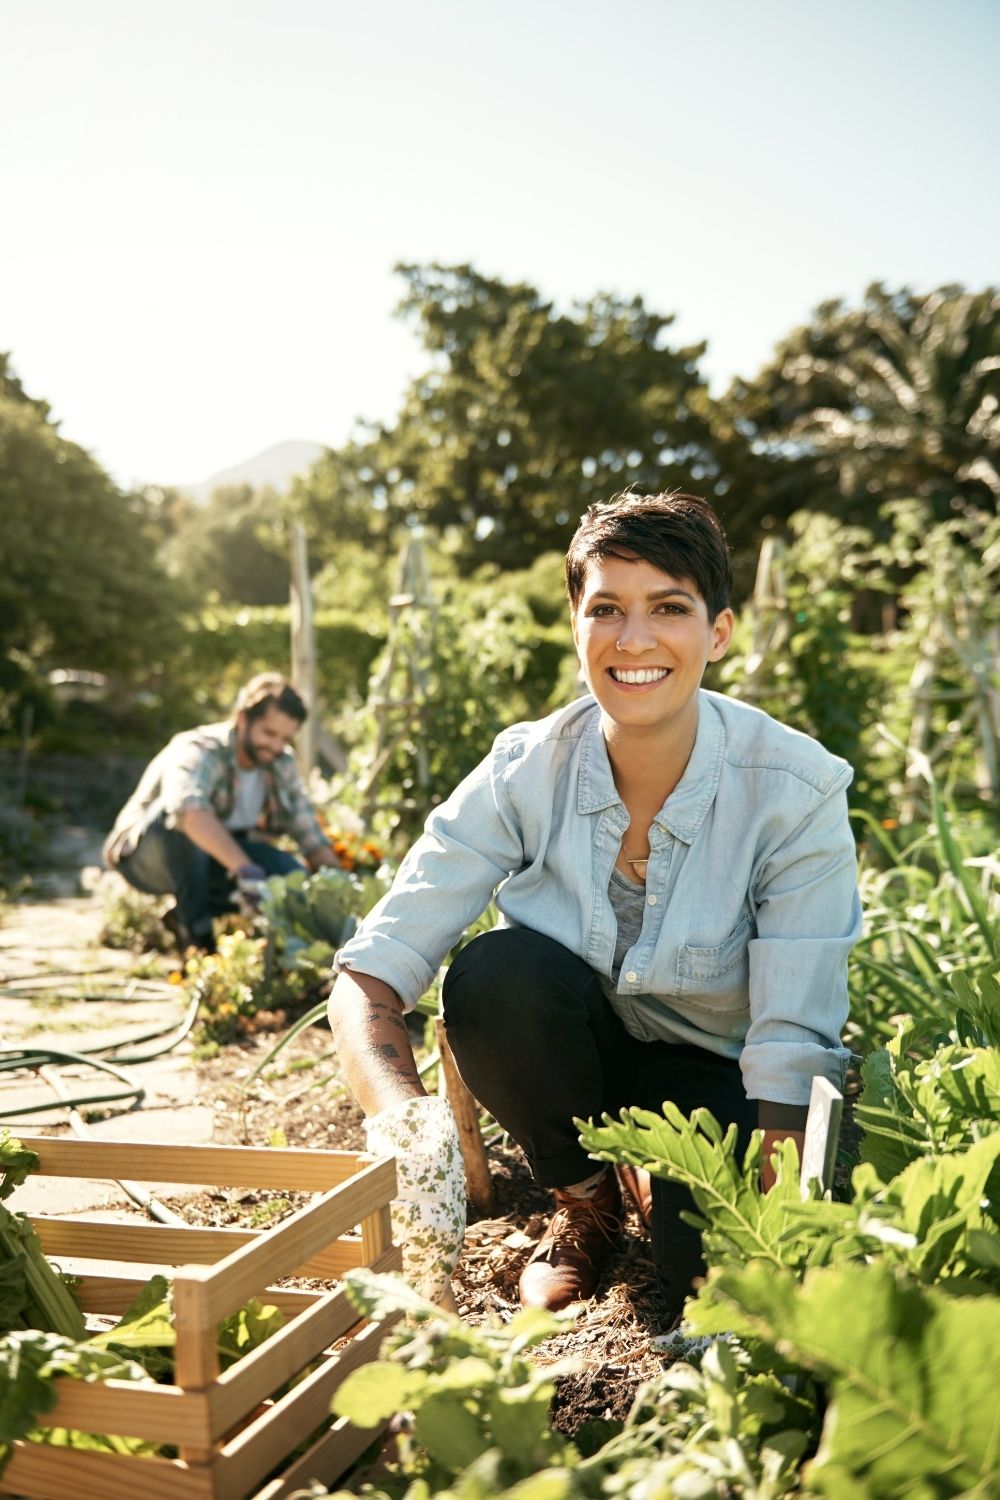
106	1057
21	1060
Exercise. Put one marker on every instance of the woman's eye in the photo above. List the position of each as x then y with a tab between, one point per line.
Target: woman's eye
600	610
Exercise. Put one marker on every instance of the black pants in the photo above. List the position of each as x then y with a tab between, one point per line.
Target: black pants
165	860
537	1043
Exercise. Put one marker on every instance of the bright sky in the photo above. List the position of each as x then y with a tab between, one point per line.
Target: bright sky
202	202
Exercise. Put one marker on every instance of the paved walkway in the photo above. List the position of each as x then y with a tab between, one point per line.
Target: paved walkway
61	990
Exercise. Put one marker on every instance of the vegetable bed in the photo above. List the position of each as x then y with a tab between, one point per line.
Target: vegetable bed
231	1430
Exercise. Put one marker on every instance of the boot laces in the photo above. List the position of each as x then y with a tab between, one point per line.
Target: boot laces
572	1227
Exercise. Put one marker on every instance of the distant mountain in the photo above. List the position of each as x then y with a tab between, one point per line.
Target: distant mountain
276	467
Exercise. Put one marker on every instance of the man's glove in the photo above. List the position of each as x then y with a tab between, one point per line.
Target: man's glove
428	1214
249	880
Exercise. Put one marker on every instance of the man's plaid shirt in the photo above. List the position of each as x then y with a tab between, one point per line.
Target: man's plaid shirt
198	769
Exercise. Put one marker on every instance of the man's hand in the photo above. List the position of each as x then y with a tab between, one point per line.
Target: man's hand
428	1213
323	858
250	879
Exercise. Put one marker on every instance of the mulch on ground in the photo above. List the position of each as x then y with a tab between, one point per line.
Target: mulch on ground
611	1339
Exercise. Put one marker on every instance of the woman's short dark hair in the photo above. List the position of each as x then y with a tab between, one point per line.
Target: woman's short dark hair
269	690
679	534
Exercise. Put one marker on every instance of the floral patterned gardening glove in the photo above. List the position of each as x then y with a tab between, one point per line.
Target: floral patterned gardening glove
428	1215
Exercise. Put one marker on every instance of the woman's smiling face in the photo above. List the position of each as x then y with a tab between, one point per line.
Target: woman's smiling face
644	639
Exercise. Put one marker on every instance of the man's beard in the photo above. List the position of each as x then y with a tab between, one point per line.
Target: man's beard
250	752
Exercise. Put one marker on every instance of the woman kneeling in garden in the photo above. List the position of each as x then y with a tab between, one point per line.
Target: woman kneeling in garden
676	880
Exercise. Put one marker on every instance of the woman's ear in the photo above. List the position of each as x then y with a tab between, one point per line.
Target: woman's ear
722	627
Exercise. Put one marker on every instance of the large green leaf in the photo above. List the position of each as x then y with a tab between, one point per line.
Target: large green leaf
30	1361
247	1328
451	1433
911	1373
15	1162
737	1220
376	1392
924	1217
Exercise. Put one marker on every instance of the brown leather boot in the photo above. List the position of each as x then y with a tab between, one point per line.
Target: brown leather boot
567	1262
638	1190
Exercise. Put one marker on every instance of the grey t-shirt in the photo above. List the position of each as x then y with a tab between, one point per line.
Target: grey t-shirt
248	802
628	902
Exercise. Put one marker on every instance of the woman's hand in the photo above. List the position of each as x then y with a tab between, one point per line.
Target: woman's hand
428	1212
771	1138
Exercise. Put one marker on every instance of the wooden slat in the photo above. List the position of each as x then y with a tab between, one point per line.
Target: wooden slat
328	1458
303	1241
109	1296
257	1375
39	1472
160	1413
187	1247
290	1168
376	1234
196	1352
251	1456
194	1245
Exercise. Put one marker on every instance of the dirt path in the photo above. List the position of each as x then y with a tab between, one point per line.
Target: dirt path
62	991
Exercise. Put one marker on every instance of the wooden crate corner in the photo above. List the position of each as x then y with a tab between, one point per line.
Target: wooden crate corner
233	1431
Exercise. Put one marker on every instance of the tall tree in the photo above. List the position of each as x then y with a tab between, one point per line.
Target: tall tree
235	546
523	417
79	584
897	398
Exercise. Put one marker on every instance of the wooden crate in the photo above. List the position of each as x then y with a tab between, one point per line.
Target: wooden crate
230	1429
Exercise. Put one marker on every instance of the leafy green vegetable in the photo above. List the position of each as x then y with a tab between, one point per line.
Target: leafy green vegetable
32	1293
15	1163
738	1221
145	1330
471	1388
907	1369
30	1363
246	1329
308	917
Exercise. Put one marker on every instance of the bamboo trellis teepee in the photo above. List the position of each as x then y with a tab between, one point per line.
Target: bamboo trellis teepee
398	695
958	661
955	638
771	624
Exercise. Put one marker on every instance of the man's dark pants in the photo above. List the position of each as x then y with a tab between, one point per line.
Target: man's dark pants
538	1044
165	860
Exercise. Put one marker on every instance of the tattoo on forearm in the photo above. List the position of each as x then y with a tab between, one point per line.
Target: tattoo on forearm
374	1019
386	1049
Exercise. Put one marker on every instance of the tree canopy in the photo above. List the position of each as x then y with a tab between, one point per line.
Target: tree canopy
79	583
234	547
898	398
523	417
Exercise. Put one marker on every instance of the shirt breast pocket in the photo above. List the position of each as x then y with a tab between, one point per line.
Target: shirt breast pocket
718	977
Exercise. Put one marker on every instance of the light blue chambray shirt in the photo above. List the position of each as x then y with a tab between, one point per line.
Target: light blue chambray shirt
751	889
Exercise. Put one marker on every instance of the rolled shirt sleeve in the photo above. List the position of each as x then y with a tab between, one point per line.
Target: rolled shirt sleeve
189	776
470	844
808	919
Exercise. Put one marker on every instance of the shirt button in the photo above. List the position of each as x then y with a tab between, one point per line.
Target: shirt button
631	976
651	901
